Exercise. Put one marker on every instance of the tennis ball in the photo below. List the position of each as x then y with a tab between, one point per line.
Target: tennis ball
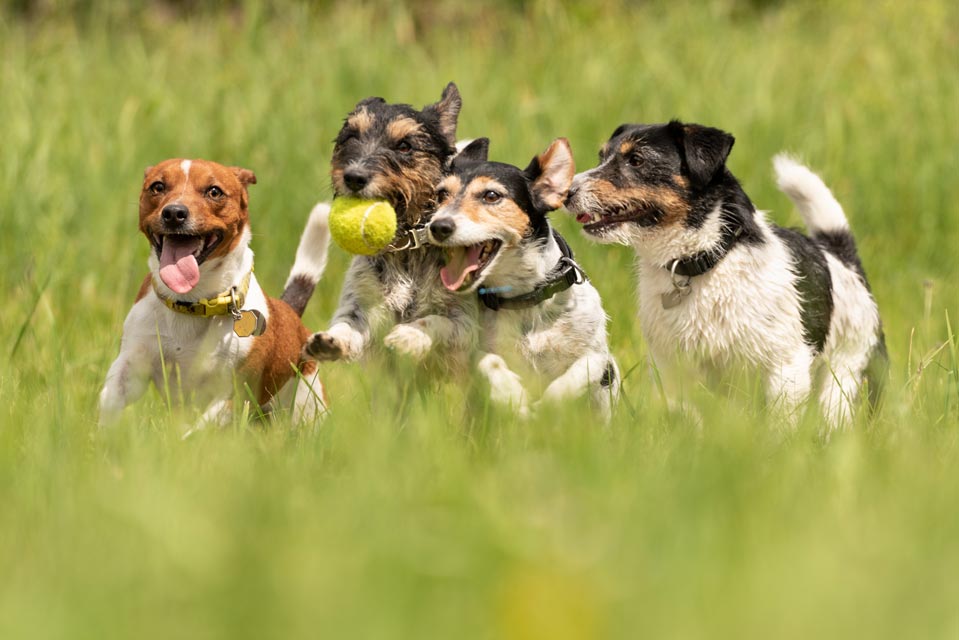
362	226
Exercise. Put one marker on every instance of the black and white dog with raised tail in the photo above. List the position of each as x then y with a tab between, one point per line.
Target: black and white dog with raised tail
720	284
540	314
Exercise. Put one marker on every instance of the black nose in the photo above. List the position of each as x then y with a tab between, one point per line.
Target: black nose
174	215
355	179
442	228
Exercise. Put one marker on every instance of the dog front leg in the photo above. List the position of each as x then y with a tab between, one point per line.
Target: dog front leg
506	387
788	385
349	331
588	372
417	338
126	381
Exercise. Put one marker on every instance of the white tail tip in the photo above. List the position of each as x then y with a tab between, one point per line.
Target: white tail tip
818	207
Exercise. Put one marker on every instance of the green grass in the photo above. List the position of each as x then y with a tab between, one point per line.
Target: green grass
417	510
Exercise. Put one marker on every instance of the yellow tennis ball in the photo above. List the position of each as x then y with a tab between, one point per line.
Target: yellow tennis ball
362	226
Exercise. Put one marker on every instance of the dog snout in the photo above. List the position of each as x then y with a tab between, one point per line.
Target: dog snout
174	215
442	228
356	179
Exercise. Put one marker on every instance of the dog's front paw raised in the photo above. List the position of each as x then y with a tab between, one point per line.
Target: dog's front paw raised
409	341
323	346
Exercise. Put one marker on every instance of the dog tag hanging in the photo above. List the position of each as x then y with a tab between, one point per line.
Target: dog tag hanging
673	297
249	322
681	289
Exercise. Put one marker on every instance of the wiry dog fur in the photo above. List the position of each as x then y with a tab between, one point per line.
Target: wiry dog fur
397	153
777	300
492	220
206	204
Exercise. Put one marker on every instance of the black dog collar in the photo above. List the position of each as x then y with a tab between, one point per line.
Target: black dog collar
700	263
564	275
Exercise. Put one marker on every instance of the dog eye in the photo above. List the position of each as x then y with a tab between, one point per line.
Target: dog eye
404	147
442	195
634	160
214	192
491	197
157	188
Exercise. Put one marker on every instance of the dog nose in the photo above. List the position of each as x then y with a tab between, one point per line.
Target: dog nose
174	215
355	179
442	228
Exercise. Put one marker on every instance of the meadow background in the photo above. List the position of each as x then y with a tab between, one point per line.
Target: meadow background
416	510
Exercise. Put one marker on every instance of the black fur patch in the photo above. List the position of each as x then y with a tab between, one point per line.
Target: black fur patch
297	294
842	245
609	375
813	285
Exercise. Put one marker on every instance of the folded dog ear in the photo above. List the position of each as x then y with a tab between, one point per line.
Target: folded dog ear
550	175
476	151
245	176
447	110
704	148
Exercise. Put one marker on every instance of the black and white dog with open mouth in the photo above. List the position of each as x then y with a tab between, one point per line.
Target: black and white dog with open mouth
719	283
540	314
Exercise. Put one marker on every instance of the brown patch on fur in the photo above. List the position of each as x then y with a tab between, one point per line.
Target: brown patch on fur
409	188
504	215
625	147
402	127
680	181
610	197
268	366
360	120
145	287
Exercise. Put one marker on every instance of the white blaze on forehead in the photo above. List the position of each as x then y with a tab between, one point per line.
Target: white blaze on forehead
185	167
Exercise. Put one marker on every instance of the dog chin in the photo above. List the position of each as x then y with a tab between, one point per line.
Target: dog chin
619	234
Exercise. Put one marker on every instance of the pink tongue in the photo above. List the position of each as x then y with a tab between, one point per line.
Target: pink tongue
461	263
178	267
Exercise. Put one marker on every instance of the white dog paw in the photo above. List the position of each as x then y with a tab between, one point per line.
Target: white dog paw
409	341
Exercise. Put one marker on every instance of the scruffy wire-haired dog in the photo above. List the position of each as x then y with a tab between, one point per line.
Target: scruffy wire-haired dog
718	283
539	306
397	153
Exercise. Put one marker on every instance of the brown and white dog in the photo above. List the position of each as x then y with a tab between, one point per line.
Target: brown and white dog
194	328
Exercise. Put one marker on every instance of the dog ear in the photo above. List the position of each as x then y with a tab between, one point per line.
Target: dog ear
446	111
550	175
245	176
704	148
365	102
476	151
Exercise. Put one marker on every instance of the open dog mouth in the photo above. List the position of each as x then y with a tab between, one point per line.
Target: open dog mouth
465	265
601	221
181	255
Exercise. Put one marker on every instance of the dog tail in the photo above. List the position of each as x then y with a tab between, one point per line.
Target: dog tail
820	210
310	259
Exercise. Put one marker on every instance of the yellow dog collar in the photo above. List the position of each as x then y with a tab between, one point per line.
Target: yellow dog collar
226	303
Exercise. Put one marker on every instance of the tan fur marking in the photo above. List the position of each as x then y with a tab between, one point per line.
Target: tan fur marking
505	215
402	127
672	204
361	120
145	287
625	147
